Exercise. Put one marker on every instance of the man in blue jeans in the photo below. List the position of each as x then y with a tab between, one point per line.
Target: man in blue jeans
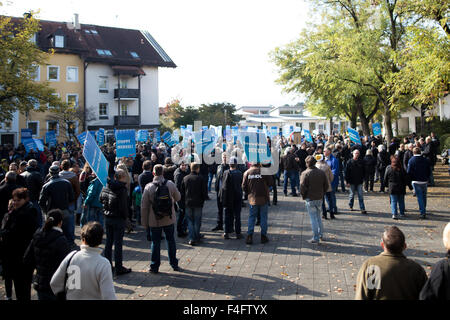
331	196
195	192
354	176
313	185
160	222
419	171
256	186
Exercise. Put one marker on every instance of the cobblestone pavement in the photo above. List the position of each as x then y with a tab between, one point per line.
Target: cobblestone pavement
287	267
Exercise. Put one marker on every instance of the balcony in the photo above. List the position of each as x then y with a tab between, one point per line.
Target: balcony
126	94
126	121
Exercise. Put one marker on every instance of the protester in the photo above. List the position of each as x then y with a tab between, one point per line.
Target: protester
17	229
195	192
33	182
58	194
396	180
333	163
179	175
325	168
419	171
430	153
6	191
137	199
291	171
390	275
370	163
158	214
218	184
313	186
92	204
93	273
256	186
47	250
115	208
354	176
437	286
231	192
382	163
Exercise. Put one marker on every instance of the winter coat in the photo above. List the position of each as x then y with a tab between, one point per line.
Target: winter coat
148	217
325	168
93	194
179	176
313	184
369	164
231	188
419	168
382	160
333	163
256	186
396	180
6	195
73	179
57	193
18	228
45	253
145	178
114	198
169	171
33	181
355	171
437	286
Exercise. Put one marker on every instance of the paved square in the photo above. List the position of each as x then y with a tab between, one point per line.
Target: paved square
287	267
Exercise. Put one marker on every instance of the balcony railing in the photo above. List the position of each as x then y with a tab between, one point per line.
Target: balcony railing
126	93
126	121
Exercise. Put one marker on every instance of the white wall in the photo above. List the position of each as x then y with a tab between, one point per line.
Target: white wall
150	97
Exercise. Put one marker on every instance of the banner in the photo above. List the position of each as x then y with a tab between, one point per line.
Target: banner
273	131
168	138
29	144
307	135
39	144
25	134
82	137
255	147
125	143
50	139
376	127
354	135
228	134
142	135
96	159
204	141
101	136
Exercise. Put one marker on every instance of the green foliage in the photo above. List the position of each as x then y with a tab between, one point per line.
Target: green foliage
18	60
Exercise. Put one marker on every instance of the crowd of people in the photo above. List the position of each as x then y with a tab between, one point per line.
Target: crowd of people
44	195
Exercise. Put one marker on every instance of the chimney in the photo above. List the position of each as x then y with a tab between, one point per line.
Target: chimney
76	21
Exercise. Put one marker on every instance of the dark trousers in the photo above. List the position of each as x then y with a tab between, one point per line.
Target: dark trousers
382	171
341	179
22	286
181	221
219	213
368	181
156	233
46	295
233	218
114	229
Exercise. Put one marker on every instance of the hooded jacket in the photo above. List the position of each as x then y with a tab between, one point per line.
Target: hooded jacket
45	253
114	198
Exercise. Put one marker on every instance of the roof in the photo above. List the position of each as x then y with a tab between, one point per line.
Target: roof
254	107
114	46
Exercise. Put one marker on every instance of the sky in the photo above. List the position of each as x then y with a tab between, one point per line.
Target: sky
221	48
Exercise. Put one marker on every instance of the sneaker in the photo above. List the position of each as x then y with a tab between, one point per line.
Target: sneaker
312	241
363	212
217	228
122	271
249	239
394	216
226	236
264	239
192	243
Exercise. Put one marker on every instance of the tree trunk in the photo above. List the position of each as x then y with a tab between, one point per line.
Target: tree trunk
387	122
362	117
331	126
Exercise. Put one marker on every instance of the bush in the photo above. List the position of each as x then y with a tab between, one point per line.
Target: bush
445	144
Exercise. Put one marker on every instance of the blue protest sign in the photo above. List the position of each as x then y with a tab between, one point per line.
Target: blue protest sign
255	147
273	131
376	127
158	136
82	137
307	135
125	143
50	138
354	135
101	136
142	135
168	138
29	144
25	134
39	144
96	159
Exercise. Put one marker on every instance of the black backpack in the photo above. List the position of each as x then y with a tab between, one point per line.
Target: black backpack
162	203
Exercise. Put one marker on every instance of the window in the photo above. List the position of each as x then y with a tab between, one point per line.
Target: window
33	38
72	128
123	83
50	106
94	32
87	31
59	41
53	73
34	126
299	124
72	99
103	111
124	110
53	126
72	74
103	84
312	126
104	52
7	125
108	53
36	73
263	112
134	54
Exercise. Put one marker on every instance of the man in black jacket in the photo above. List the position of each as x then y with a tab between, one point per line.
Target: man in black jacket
195	191
179	175
6	192
146	176
114	199
33	181
58	193
218	184
382	163
232	199
430	152
354	176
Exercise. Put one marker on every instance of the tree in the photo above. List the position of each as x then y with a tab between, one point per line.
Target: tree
19	58
68	116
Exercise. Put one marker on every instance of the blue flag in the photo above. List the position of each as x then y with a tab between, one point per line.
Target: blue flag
26	134
307	135
142	135
376	127
354	135
39	144
50	138
29	144
101	136
82	137
96	159
125	143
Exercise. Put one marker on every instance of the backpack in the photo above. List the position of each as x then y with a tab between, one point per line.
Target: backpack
162	203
